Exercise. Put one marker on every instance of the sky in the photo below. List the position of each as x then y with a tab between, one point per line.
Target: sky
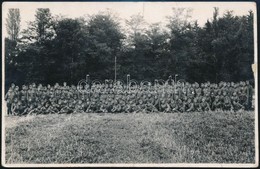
153	11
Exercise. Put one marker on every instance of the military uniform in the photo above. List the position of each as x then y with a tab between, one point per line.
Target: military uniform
204	105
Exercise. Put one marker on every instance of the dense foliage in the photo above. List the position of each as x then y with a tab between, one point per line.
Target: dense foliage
57	49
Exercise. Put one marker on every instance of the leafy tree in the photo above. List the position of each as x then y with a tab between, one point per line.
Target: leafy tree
69	58
13	22
11	49
105	39
36	44
42	28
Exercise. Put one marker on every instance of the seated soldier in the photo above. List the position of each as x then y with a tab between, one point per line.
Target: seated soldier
235	103
65	109
119	107
79	108
184	104
128	106
37	108
204	105
227	105
196	103
134	107
29	110
102	108
44	108
242	99
92	107
150	107
51	109
122	104
190	106
174	106
17	108
217	104
114	106
164	107
168	107
179	103
140	106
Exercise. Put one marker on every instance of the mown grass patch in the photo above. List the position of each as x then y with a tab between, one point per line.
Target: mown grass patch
215	137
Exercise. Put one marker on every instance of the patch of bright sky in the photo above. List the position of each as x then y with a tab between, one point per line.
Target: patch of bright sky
152	11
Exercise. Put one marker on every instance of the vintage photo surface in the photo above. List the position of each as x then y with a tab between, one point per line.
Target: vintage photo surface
129	84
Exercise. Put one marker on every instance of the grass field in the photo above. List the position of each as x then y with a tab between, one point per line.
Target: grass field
210	137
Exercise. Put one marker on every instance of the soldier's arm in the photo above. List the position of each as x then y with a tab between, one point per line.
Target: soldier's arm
6	95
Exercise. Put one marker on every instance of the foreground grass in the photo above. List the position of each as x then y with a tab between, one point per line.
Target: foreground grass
220	137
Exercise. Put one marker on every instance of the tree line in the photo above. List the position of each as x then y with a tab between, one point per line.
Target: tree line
58	49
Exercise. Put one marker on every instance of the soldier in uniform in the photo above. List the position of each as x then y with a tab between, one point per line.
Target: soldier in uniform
174	106
249	95
51	109
114	106
9	97
227	105
196	104
17	108
190	106
140	107
29	109
79	108
204	105
217	105
184	105
150	104
235	103
44	108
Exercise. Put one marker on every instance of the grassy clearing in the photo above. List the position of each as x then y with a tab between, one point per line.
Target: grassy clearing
220	137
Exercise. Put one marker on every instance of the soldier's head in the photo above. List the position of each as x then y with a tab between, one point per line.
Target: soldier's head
13	85
228	84
17	88
15	99
203	99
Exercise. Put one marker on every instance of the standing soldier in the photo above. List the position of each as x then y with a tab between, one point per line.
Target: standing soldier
249	95
9	97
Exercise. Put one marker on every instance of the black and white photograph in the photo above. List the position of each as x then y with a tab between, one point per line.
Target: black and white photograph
129	84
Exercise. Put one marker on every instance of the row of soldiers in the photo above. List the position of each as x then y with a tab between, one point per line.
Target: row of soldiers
180	97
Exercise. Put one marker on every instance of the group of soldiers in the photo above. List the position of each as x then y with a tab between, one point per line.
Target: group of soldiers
116	98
